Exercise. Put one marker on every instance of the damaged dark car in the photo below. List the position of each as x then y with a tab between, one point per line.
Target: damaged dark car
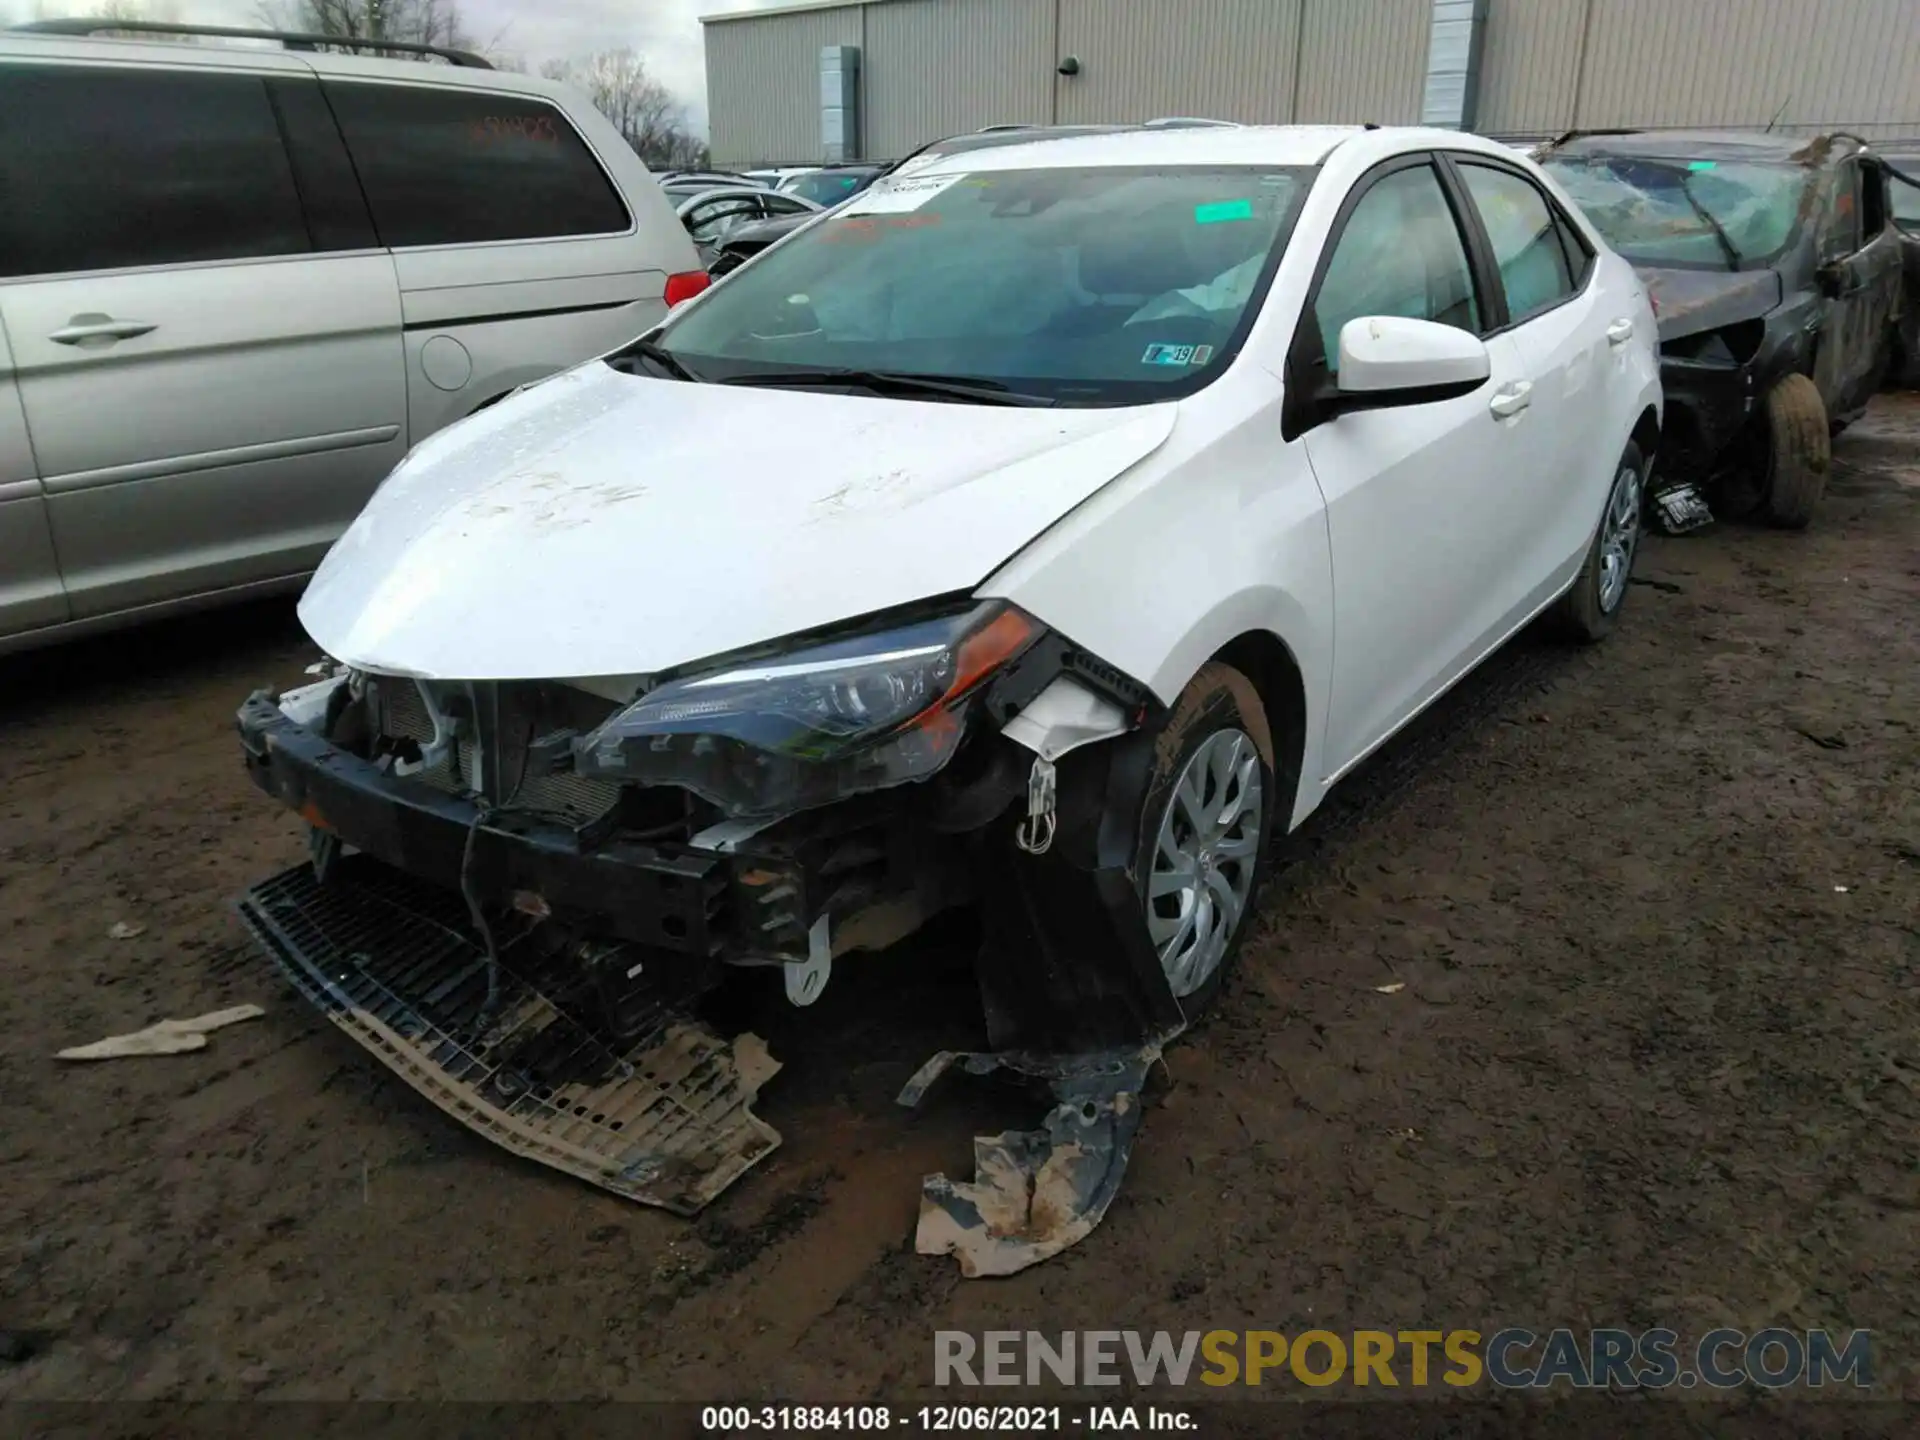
1775	272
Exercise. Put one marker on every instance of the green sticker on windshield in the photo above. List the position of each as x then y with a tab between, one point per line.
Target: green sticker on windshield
1222	210
1703	164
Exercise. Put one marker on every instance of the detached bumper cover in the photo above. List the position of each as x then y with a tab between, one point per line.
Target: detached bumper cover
621	888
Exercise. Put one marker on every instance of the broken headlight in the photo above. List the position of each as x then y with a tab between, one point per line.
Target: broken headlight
810	726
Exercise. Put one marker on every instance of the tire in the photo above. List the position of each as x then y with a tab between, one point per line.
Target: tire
1799	454
1217	737
1586	613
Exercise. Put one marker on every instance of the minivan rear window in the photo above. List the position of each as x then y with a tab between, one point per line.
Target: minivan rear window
462	167
110	169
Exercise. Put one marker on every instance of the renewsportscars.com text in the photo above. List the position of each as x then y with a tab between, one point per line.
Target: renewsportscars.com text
1508	1359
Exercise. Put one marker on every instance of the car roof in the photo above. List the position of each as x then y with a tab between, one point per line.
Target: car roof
1751	145
1144	145
684	203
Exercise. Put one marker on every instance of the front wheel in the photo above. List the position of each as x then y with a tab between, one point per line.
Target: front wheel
1210	802
1587	612
1799	452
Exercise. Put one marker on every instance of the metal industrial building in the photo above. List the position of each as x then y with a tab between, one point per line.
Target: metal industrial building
809	81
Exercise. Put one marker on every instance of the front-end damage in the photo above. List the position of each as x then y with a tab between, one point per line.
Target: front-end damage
1725	340
521	891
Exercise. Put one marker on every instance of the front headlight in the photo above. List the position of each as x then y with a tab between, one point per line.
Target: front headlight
813	725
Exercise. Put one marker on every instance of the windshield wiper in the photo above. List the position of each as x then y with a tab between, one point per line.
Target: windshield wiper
897	383
649	349
1719	232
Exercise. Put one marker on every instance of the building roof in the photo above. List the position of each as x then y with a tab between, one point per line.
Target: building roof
720	17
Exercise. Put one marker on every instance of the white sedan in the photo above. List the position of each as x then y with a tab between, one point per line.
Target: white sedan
1049	528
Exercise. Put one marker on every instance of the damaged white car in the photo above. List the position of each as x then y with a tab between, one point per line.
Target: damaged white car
1048	528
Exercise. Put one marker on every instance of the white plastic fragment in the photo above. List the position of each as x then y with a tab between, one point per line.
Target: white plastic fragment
1394	989
125	929
168	1037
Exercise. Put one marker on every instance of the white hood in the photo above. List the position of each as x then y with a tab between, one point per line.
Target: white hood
602	524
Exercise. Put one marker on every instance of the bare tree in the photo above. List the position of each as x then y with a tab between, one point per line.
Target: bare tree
412	22
641	108
160	10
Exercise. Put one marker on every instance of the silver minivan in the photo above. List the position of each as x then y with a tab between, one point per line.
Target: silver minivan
237	284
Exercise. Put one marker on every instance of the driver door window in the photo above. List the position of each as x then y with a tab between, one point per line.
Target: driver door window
1840	228
1400	253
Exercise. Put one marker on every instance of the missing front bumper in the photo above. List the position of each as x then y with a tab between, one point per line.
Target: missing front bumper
663	1117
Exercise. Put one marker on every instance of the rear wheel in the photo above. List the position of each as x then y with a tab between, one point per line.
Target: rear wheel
1799	454
1586	613
1210	802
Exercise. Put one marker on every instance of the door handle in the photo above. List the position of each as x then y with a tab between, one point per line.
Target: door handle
1511	399
1619	332
99	330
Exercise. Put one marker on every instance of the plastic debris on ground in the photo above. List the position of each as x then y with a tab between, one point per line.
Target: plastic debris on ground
168	1037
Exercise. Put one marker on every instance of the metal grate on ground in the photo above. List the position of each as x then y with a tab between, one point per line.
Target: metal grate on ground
664	1119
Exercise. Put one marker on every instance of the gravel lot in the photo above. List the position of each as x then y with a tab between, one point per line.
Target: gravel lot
1656	908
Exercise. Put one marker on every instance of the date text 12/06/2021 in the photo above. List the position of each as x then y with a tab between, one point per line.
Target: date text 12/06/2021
947	1419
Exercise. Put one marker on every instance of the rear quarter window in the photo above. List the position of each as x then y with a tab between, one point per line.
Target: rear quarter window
460	167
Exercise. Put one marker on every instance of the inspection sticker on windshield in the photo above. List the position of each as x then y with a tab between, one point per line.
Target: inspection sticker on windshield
899	194
1177	355
1222	210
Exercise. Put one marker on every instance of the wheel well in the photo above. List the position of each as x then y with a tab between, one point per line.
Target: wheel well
491	400
1265	660
1646	433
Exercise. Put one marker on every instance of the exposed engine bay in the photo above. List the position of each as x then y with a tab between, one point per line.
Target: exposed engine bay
519	891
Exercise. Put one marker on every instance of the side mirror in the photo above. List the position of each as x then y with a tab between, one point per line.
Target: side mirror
1391	360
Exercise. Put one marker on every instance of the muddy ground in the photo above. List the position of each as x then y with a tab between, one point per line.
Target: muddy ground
1655	909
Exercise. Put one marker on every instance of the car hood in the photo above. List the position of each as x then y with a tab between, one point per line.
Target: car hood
600	524
1690	301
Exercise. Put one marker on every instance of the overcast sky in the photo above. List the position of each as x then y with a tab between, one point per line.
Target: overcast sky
667	32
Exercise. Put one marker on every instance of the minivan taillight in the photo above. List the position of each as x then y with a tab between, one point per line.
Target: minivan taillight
686	285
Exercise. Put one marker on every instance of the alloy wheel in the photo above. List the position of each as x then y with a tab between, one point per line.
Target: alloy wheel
1204	854
1619	538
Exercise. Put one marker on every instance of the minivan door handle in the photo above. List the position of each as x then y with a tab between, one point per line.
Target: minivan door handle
1620	331
1511	399
94	331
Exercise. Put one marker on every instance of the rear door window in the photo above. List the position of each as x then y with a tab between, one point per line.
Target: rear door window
1526	239
461	167
109	169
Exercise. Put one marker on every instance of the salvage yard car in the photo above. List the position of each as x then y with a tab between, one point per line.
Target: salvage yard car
1903	169
711	215
1048	529
1776	276
742	242
243	282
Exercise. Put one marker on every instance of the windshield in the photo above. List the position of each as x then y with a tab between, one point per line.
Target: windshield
1686	213
829	187
1088	287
